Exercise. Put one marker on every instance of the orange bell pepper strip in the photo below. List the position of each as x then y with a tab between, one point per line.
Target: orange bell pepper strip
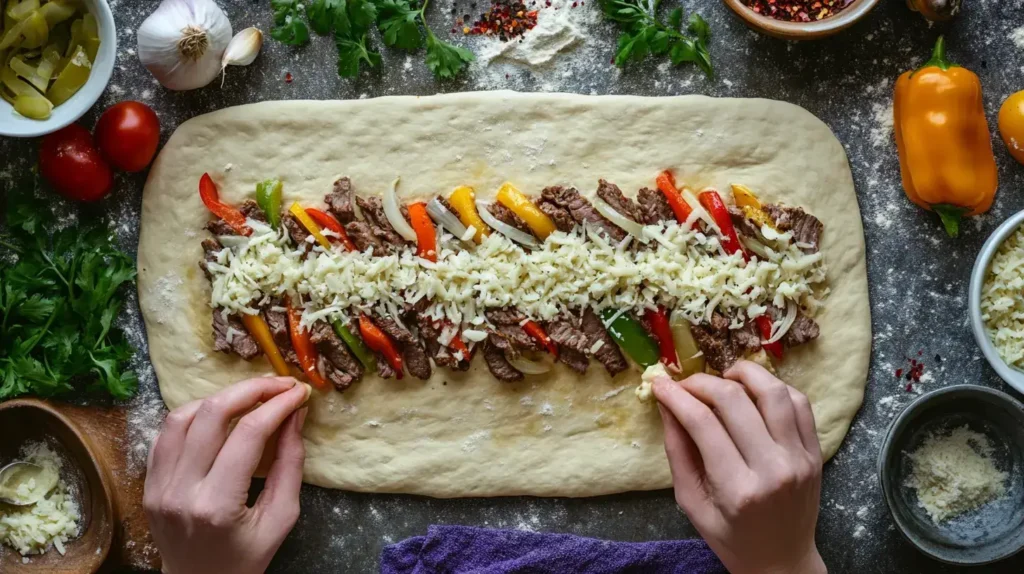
211	199
537	332
464	201
378	341
327	221
309	224
667	184
539	223
943	140
658	320
764	325
304	348
260	331
426	234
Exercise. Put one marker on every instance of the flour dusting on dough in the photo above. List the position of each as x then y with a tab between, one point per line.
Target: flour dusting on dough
470	444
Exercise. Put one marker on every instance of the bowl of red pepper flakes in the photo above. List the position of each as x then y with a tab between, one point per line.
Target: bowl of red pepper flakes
801	19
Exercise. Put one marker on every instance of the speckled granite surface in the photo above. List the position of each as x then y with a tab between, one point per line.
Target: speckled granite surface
918	277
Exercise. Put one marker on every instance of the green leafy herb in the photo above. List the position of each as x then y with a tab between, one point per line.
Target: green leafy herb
351	53
400	25
643	34
288	25
58	301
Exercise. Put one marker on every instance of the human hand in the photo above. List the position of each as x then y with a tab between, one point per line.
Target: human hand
746	467
199	473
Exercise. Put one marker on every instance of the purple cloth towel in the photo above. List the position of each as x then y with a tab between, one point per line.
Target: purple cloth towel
468	550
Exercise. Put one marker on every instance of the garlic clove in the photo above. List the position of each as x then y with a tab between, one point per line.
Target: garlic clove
241	50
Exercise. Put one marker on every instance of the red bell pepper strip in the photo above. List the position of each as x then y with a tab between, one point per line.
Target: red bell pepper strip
304	348
211	199
537	332
764	324
327	221
667	185
713	203
658	321
378	341
426	234
459	346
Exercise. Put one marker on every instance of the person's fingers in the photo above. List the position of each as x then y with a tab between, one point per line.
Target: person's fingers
241	453
772	400
741	418
209	430
717	450
278	504
805	424
166	449
688	474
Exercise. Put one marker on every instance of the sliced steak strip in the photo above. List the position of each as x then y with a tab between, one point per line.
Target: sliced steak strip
805	227
252	210
296	230
210	248
612	195
743	225
373	212
413	354
361	234
803	330
242	344
507	323
278	323
384	369
571	341
561	216
746	339
339	200
219	227
335	361
653	207
609	354
505	215
499	366
719	350
441	354
581	210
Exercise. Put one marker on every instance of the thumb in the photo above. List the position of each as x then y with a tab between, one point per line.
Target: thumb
277	507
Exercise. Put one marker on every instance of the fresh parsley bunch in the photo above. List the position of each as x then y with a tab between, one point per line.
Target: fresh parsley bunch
58	301
643	34
402	25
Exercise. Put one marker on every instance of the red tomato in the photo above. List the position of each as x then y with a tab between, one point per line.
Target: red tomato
128	134
73	166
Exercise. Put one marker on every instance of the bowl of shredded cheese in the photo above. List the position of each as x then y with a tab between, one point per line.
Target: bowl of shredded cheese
996	301
951	471
70	526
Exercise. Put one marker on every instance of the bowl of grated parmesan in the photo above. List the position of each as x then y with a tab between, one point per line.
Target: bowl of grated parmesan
951	471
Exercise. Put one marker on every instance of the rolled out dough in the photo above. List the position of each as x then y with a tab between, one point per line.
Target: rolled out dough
465	434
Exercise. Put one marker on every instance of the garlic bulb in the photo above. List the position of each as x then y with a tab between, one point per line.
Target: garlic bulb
181	43
241	50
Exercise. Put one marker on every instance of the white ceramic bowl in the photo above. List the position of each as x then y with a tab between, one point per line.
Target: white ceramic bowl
1011	375
15	125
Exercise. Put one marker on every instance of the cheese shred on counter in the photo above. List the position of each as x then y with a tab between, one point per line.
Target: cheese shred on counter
684	270
1002	300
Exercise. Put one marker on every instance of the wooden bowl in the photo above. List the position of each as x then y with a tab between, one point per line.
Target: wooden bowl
802	30
24	420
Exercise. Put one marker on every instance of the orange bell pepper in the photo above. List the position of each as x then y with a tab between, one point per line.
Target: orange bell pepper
426	235
304	348
667	184
1011	125
260	331
943	140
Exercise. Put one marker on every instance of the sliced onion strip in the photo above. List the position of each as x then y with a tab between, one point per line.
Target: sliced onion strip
528	366
439	213
394	213
786	323
628	225
699	210
504	228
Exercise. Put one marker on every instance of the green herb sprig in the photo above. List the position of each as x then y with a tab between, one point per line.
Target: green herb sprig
58	302
400	23
643	34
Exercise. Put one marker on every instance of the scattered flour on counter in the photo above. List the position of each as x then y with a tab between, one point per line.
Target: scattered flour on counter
881	131
558	29
1017	37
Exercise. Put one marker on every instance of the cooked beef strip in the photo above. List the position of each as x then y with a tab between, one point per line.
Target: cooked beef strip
219	227
339	200
581	210
561	216
361	234
335	360
504	316
442	355
613	196
413	354
384	369
210	248
653	207
609	354
565	331
278	323
803	330
805	227
499	366
252	210
507	323
719	350
373	212
574	359
296	230
743	225
505	215
393	329
242	344
746	339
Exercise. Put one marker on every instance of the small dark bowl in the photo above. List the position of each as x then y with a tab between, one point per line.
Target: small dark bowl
849	16
990	533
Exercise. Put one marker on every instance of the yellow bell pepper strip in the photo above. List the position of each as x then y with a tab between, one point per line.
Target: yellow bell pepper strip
426	234
714	205
540	224
464	201
943	140
327	221
764	325
667	185
744	197
304	348
658	320
309	224
381	343
260	331
1011	125
211	199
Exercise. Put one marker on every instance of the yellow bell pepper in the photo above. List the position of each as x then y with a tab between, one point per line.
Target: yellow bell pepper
464	201
539	223
260	331
943	140
1011	125
309	224
751	205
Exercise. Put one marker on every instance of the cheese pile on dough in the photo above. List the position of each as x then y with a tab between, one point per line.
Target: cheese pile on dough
51	521
1002	300
681	269
953	474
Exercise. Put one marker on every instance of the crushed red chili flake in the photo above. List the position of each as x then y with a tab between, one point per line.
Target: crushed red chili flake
288	78
913	374
506	19
899	373
797	10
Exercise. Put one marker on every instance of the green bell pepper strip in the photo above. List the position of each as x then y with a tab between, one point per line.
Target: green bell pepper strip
357	346
632	337
268	197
